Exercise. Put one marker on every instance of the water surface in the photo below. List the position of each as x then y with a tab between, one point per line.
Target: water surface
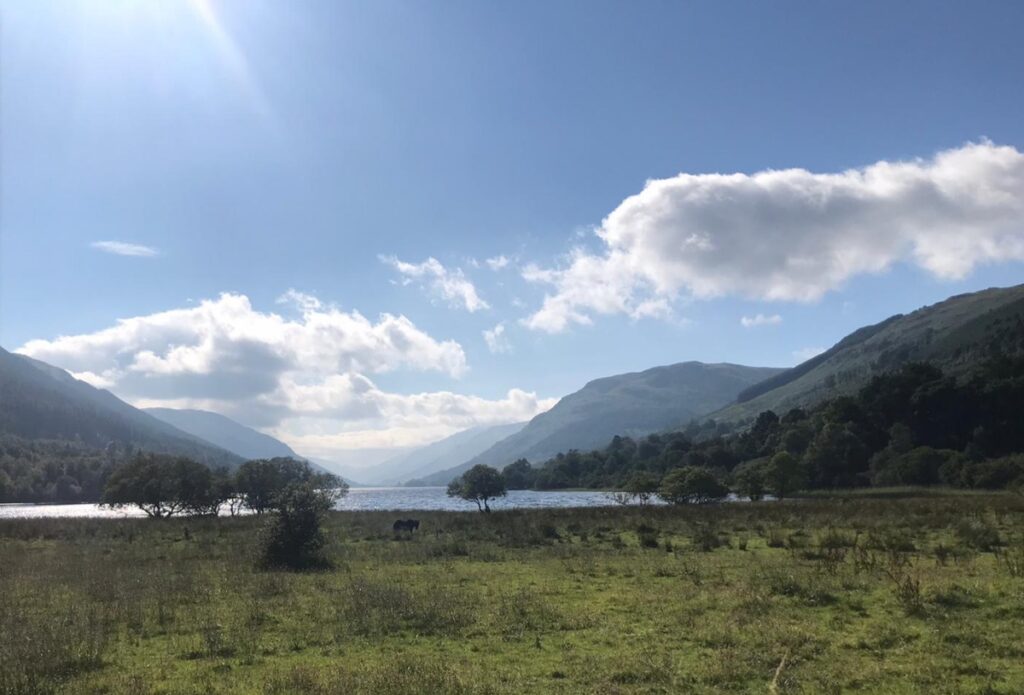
358	499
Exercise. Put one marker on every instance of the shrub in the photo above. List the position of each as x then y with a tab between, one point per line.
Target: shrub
294	539
692	485
978	534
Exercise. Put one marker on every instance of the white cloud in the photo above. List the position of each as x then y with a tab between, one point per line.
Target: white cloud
306	377
804	354
760	320
497	341
450	285
792	234
121	248
497	263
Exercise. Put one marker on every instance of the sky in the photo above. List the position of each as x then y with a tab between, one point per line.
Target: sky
366	226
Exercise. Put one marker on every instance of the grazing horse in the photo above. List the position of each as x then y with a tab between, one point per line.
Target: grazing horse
408	525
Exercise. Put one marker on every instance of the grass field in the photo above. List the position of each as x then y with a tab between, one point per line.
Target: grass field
897	595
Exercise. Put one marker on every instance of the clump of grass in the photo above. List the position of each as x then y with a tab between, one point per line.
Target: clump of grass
978	534
776	538
380	607
402	676
706	538
49	639
1012	559
648	539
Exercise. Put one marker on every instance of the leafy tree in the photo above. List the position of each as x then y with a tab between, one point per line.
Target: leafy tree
837	457
519	475
784	474
261	482
162	486
294	539
749	479
691	485
479	484
642	486
6	486
920	466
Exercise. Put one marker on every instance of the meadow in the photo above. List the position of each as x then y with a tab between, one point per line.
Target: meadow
892	593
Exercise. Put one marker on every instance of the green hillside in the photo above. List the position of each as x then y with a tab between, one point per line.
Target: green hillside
59	437
632	404
954	335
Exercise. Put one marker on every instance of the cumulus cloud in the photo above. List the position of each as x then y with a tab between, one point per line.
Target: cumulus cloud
497	341
760	320
308	374
791	234
497	263
449	285
121	248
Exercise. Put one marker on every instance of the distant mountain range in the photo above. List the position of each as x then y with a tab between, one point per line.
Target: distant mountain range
224	432
41	402
439	455
955	335
632	404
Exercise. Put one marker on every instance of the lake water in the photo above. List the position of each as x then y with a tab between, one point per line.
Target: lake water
358	499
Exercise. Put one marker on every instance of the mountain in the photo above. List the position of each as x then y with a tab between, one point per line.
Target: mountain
41	402
632	404
224	432
954	335
439	455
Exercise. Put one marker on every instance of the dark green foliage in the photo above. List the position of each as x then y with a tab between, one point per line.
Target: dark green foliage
642	486
163	486
750	479
519	475
262	482
479	484
914	426
294	538
691	485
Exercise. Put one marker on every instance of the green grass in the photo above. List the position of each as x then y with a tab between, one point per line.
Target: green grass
914	595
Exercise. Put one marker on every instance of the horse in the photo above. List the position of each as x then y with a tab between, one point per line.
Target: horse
408	525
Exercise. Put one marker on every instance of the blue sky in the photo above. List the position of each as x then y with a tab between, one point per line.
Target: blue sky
333	148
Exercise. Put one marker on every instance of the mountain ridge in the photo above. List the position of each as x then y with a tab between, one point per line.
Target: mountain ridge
633	403
953	334
44	402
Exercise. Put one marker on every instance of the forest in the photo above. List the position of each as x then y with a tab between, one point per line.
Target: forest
914	426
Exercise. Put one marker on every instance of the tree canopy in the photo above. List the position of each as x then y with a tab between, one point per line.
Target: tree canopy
479	484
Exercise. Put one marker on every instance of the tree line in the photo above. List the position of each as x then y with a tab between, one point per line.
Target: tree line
164	486
914	426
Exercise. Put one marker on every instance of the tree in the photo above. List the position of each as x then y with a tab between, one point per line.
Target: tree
837	457
162	486
261	482
642	486
519	475
479	484
749	479
6	485
295	538
784	474
691	485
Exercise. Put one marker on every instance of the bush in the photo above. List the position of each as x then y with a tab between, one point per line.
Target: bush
294	539
692	485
